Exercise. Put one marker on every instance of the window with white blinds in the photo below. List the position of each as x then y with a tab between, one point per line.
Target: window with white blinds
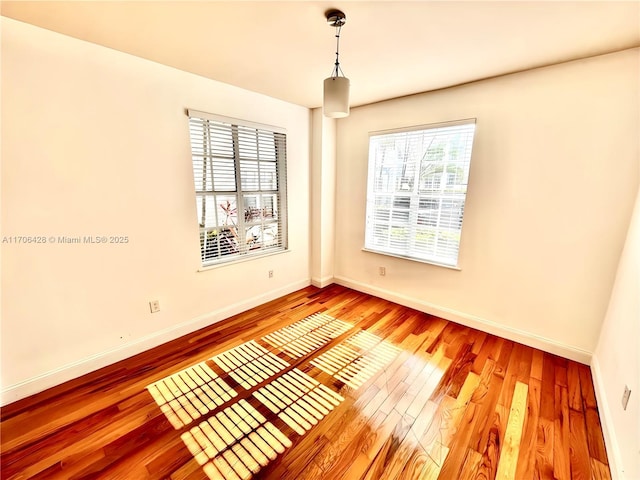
416	191
239	173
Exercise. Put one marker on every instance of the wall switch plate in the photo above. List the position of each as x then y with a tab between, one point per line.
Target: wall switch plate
270	273
382	271
154	305
625	397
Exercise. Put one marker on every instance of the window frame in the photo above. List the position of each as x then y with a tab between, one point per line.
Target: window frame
234	125
415	194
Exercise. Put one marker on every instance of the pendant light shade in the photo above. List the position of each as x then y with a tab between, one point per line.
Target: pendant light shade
336	97
336	87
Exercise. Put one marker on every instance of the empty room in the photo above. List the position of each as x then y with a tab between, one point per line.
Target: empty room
320	240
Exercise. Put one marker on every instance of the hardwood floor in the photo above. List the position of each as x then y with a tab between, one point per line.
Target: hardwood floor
330	384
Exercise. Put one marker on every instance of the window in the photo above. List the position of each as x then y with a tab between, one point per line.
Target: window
416	191
239	175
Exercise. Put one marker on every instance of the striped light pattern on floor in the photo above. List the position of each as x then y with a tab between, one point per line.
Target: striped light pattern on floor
356	359
298	400
306	335
249	364
187	395
235	443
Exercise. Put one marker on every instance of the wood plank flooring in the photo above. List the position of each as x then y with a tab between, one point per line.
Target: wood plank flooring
322	383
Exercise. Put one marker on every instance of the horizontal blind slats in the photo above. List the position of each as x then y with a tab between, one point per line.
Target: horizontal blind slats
417	190
237	220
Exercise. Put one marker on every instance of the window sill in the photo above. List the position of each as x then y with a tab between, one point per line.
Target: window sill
241	260
435	264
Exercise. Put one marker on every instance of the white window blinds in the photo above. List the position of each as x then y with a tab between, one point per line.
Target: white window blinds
416	191
240	185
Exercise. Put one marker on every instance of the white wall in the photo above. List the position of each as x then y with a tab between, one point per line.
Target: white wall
616	362
323	186
95	142
553	178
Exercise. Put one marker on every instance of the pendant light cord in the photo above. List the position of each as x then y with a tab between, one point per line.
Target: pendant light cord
336	69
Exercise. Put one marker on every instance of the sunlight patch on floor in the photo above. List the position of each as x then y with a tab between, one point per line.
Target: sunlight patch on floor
249	364
187	395
356	359
235	443
298	400
307	335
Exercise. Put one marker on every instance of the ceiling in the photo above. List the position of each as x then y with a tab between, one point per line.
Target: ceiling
387	49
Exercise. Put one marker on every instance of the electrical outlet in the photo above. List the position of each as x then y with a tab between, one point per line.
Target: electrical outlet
154	305
625	397
382	271
270	273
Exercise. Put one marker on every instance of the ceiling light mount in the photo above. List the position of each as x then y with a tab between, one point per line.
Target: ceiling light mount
336	18
336	87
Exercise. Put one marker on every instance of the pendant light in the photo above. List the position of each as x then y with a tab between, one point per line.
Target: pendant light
336	87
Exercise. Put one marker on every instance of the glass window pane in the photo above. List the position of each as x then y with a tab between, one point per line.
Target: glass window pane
267	147
247	143
224	174
250	175
227	210
268	176
202	173
270	206
262	236
205	207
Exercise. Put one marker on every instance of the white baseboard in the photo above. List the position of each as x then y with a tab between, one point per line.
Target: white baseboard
613	449
514	334
89	364
322	282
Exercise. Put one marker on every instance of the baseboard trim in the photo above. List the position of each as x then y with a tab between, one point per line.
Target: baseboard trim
89	364
322	282
613	449
483	324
